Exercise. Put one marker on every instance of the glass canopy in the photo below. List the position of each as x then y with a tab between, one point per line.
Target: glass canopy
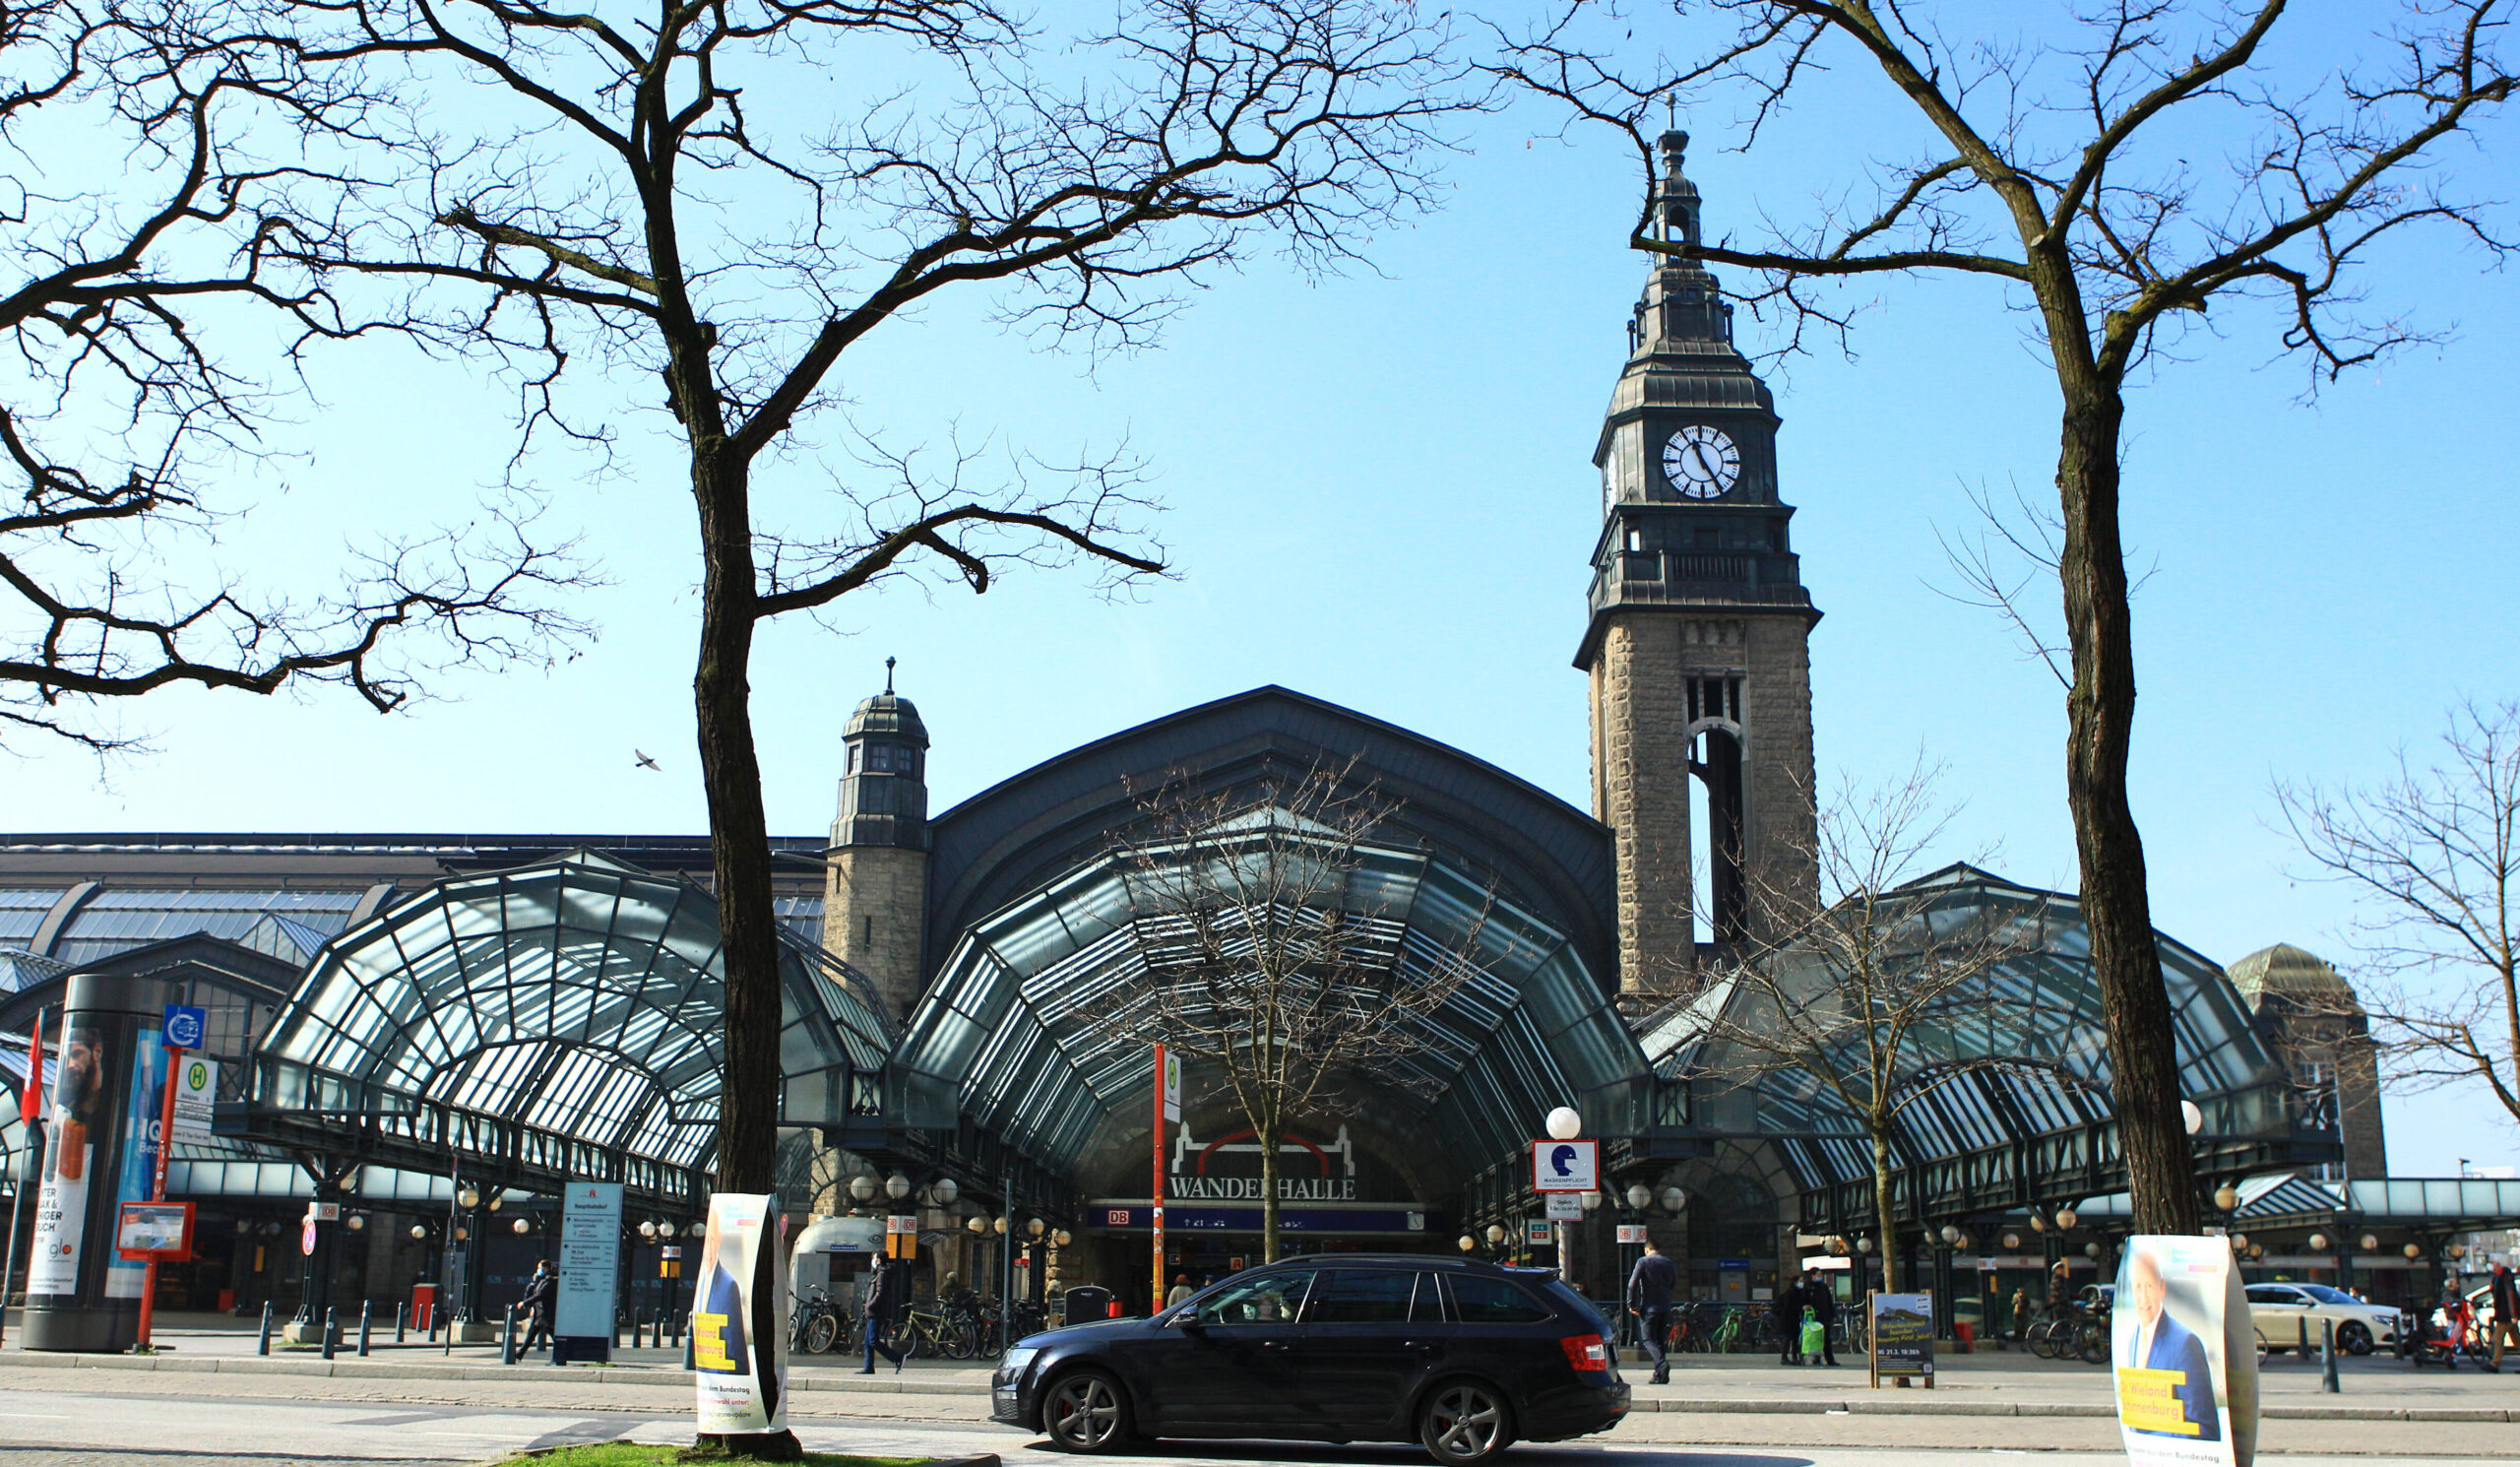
551	1022
2003	1096
1016	1032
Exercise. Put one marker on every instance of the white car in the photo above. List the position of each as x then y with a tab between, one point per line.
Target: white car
2286	1315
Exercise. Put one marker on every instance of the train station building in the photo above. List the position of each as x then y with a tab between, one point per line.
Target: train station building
431	1035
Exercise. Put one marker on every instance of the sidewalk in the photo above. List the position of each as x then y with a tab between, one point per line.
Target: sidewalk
2375	1387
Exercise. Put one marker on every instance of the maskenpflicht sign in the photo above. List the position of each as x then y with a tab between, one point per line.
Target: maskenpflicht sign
1566	1166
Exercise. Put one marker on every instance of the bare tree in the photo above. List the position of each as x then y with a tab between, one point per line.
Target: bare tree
729	197
130	139
2060	171
1257	963
1873	982
2434	852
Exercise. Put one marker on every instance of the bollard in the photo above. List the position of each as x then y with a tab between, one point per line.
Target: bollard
329	1336
684	1335
398	1321
507	1344
264	1346
2327	1357
2301	1332
364	1307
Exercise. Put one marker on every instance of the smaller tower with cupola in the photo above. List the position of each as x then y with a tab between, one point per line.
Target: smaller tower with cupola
875	897
1697	641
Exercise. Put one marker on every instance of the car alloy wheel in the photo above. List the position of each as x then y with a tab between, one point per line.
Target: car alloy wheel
2354	1339
1084	1412
1463	1423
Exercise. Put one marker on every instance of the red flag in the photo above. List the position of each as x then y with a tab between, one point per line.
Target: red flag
31	1105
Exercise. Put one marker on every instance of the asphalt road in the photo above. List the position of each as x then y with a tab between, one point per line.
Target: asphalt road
106	1428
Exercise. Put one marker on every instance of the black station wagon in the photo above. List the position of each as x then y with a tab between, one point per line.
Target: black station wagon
1464	1358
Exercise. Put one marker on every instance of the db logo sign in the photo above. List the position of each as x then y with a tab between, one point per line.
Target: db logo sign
1115	1217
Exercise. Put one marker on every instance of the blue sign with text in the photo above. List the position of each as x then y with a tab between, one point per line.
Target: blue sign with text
184	1027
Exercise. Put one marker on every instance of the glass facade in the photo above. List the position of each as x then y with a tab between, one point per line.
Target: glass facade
1013	1033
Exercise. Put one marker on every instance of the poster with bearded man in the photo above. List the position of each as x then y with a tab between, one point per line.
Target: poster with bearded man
2185	1355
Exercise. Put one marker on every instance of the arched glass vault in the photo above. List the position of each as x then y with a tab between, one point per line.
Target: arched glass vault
1015	1032
2005	1103
559	1022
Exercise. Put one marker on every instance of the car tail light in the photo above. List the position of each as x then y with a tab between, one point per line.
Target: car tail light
1585	1352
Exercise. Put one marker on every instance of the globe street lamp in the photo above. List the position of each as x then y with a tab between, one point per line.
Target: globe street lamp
897	1186
944	1190
469	1197
648	1229
1640	1197
1566	1123
522	1226
861	1188
420	1231
2227	1197
1468	1242
2065	1220
1675	1199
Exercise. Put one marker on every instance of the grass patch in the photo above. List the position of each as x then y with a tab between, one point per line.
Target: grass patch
641	1454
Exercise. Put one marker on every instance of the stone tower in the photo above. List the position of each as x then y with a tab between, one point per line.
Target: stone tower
875	898
1697	644
2315	1024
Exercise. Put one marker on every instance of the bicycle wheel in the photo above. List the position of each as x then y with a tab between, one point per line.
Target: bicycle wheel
2038	1339
822	1332
903	1338
2091	1342
961	1340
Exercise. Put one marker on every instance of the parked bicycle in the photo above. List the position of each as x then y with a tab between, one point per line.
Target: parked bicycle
819	1324
933	1331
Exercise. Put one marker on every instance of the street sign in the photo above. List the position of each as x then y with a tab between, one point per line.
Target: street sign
1565	1166
306	1238
1565	1207
1536	1233
196	1094
183	1027
1171	1087
1631	1232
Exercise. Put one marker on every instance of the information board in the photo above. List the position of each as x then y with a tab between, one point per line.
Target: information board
590	1261
1902	1335
196	1095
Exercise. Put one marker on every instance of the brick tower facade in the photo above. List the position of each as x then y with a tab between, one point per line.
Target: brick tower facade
875	899
1697	643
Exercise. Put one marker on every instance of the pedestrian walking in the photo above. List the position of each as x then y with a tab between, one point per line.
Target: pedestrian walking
1649	1299
1822	1302
2505	1298
2021	1312
535	1307
1180	1291
887	1291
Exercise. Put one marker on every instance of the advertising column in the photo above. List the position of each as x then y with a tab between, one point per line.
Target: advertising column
739	1318
2187	1355
79	1294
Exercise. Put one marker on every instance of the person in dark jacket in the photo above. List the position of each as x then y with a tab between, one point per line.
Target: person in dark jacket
2505	1298
887	1293
1649	1299
1784	1311
1822	1301
540	1293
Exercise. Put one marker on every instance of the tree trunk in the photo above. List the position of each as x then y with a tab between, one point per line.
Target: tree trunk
739	834
2101	717
1268	1138
1885	1216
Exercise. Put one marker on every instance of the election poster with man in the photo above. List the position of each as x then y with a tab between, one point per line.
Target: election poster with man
2187	1357
739	1318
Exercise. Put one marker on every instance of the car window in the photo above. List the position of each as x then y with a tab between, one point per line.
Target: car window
1263	1298
2325	1295
1484	1301
1362	1295
2272	1294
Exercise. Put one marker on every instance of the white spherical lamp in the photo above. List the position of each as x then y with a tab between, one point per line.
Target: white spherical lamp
1639	1195
897	1186
420	1231
2319	1243
2227	1197
2065	1219
1566	1123
2191	1115
1950	1234
1675	1199
977	1226
1468	1242
2370	1242
945	1191
1496	1232
521	1227
355	1222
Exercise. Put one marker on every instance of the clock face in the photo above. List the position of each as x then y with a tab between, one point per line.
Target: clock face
1701	461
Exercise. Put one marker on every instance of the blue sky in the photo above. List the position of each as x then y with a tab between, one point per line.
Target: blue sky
1378	491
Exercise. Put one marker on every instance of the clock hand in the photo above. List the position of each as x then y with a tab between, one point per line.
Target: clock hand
1697	451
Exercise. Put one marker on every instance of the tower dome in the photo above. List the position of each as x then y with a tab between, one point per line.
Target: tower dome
2288	972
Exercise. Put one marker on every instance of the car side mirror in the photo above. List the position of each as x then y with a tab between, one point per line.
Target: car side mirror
1187	1323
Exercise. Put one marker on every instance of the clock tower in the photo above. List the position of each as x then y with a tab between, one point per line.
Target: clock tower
1697	642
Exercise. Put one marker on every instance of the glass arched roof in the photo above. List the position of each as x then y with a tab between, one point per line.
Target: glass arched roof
553	1021
2029	1060
1016	1034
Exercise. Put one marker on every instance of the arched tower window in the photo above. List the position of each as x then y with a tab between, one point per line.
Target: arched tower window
1715	806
